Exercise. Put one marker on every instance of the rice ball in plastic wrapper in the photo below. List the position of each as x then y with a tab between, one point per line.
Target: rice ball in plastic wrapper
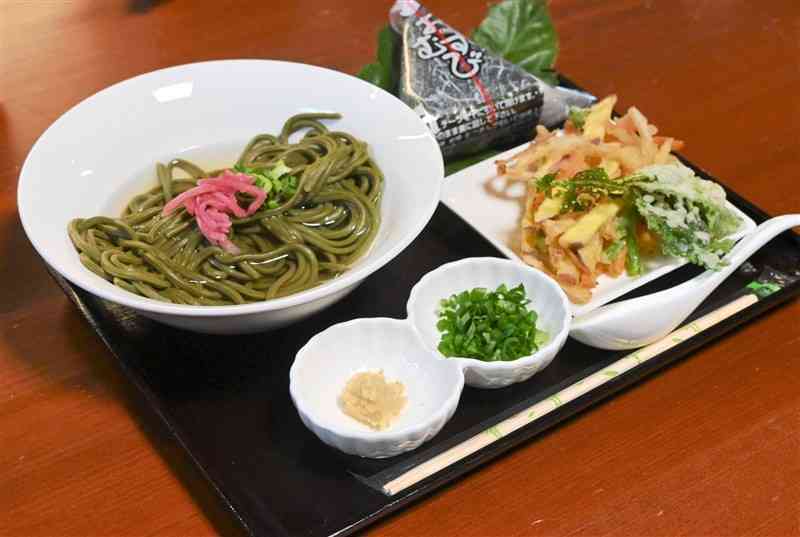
468	97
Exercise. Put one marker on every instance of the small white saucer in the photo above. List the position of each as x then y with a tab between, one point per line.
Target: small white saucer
325	364
547	300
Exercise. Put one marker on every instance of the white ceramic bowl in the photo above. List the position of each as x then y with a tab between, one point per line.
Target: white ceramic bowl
103	151
547	299
406	351
325	364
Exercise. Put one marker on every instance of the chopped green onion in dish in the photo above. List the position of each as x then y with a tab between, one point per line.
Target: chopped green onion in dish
489	325
275	179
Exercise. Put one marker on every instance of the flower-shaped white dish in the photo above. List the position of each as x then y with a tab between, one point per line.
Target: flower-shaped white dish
547	299
405	350
325	364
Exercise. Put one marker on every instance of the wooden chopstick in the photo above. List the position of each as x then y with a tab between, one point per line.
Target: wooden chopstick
545	406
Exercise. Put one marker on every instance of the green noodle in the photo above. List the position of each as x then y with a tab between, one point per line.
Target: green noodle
315	235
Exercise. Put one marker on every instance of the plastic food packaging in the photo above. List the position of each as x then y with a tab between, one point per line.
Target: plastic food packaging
468	97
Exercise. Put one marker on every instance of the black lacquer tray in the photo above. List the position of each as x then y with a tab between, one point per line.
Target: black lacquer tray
226	401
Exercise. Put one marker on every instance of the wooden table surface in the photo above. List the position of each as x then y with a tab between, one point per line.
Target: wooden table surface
709	447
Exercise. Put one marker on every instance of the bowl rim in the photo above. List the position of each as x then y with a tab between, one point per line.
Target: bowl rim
551	348
120	296
439	415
